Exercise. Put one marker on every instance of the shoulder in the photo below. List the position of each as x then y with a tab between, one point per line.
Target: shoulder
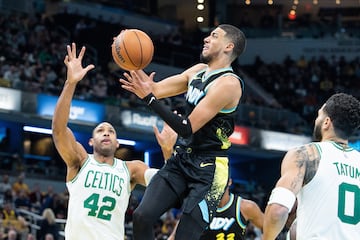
136	168
135	165
306	152
190	72
247	205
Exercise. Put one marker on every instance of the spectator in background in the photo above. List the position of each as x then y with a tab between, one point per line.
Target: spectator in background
5	186
19	184
49	236
48	225
36	197
48	199
22	200
12	220
30	237
12	235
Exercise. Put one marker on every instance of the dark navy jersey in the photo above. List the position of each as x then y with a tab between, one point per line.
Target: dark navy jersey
214	135
228	223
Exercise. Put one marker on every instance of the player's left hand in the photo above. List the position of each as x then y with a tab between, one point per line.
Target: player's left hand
138	82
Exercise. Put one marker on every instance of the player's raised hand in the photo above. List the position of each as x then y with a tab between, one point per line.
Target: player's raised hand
75	70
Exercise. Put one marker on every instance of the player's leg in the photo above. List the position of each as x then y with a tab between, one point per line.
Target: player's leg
158	198
201	203
189	226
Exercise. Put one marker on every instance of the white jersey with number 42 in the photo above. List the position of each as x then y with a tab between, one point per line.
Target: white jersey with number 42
99	197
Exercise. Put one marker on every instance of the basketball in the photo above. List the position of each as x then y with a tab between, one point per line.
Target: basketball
132	49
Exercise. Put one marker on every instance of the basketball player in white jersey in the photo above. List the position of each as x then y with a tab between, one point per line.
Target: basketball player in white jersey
324	176
99	184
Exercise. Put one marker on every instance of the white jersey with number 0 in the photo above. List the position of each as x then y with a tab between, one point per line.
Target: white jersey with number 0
329	205
99	197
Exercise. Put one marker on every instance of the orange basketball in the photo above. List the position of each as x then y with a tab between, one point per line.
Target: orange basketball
132	49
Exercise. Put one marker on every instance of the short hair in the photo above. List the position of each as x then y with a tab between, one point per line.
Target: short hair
236	36
344	111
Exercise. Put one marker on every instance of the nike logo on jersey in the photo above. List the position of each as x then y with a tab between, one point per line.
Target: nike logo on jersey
151	100
205	164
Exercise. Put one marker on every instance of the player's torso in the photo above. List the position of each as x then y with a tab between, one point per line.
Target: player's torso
214	135
228	222
329	204
98	200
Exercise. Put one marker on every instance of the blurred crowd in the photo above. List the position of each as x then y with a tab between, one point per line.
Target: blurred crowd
18	201
300	85
33	47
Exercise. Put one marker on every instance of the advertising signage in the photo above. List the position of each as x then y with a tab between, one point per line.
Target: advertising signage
10	99
140	120
79	110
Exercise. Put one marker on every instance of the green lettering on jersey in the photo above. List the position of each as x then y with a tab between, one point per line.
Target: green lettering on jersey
105	207
349	195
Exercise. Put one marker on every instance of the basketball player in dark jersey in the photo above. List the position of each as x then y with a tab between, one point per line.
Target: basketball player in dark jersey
233	213
197	173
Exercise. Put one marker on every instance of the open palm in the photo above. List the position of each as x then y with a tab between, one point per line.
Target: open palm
75	70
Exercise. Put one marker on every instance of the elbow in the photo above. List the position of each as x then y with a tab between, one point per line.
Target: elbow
276	213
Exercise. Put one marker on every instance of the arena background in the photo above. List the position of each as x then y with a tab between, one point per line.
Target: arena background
276	112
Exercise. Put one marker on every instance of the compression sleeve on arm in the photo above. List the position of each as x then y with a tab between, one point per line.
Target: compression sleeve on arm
179	124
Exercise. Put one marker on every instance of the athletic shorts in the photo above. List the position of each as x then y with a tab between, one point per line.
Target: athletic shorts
198	179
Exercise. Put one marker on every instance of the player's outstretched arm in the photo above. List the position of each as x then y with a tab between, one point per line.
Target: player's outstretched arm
69	149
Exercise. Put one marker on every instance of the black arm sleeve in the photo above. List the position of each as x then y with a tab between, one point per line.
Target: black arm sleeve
179	124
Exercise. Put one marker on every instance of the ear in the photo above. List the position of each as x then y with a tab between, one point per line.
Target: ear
229	46
327	123
91	141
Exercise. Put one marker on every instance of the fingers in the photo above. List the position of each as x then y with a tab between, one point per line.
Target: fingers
156	130
89	67
128	77
71	52
152	75
126	85
66	60
82	52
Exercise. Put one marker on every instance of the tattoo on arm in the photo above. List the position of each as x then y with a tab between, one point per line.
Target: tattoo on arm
307	159
312	163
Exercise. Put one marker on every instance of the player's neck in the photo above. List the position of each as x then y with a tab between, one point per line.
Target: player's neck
340	141
217	64
225	199
104	159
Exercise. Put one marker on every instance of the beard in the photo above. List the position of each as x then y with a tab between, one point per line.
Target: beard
204	59
317	135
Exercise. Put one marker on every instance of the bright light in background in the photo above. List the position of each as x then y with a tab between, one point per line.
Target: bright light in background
126	142
200	1
49	131
200	7
37	130
199	19
247	2
147	158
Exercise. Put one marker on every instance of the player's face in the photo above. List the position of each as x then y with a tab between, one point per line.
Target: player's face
104	139
317	133
213	45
